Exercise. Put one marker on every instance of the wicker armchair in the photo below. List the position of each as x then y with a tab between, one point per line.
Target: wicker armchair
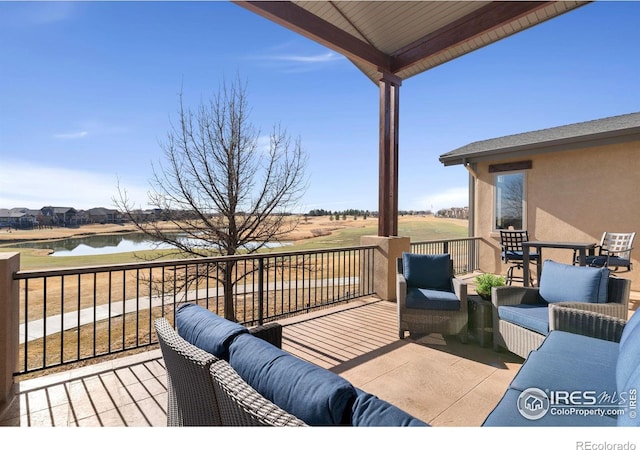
423	309
521	340
204	390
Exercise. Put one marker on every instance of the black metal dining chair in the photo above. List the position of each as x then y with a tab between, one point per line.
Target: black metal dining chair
513	254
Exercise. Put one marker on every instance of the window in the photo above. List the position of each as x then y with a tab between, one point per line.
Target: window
509	201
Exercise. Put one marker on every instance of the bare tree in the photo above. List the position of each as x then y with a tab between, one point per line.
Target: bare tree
224	192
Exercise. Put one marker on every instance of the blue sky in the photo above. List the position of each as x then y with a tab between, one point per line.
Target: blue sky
88	90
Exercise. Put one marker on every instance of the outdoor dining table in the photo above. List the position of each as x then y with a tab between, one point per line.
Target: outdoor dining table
580	247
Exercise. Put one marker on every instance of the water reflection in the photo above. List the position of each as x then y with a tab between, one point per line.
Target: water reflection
105	244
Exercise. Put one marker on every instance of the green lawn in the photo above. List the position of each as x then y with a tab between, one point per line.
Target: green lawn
418	230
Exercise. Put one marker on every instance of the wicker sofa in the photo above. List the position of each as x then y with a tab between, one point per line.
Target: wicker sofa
243	361
585	373
521	314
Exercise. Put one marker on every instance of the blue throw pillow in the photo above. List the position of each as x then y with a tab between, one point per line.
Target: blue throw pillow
567	283
427	271
207	330
313	394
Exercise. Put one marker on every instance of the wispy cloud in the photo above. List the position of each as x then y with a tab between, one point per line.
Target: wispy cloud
295	60
323	58
38	13
61	187
73	135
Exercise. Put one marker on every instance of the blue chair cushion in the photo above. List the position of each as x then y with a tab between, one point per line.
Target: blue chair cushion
370	411
531	317
568	283
600	261
309	392
427	271
432	299
207	330
512	255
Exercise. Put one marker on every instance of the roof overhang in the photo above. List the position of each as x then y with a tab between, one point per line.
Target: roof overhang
406	38
596	133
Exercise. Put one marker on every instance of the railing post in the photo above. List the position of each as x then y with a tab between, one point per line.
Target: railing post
9	327
260	290
385	255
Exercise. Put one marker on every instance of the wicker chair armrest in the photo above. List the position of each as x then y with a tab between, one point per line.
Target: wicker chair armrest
270	332
616	310
515	295
574	317
401	289
460	288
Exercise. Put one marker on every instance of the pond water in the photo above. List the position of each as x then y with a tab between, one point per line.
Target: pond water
104	245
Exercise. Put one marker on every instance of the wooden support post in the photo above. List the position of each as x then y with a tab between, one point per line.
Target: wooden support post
388	183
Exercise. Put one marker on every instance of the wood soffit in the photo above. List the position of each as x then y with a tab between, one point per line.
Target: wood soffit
405	38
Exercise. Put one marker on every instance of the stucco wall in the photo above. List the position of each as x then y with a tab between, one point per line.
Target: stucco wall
571	195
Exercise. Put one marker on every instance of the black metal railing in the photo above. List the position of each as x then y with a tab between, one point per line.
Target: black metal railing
465	252
72	315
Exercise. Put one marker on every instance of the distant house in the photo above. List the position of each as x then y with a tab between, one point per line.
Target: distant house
18	218
568	183
103	215
59	216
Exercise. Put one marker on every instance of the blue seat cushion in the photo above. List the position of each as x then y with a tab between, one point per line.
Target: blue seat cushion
506	414
432	299
513	255
309	392
600	261
427	271
572	347
207	330
370	411
568	283
531	317
573	370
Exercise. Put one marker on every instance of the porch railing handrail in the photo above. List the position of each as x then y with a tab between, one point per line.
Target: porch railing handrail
35	273
75	314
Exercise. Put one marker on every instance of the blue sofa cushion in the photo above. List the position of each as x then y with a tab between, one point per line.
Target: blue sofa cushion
207	330
427	271
531	317
431	299
572	347
370	411
309	392
567	283
551	370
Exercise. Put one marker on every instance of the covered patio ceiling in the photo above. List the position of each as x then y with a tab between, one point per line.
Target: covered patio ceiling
390	41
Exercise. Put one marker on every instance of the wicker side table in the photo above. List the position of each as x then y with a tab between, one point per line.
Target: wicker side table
480	320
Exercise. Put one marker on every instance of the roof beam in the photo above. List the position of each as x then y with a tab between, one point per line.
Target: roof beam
301	21
487	18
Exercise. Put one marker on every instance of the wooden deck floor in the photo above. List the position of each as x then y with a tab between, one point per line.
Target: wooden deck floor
437	379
